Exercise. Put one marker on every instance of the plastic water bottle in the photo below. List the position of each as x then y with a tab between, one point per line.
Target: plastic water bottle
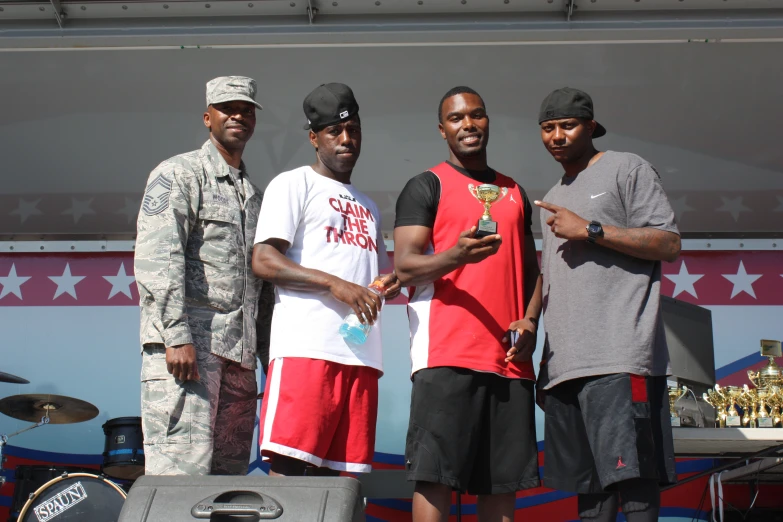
351	329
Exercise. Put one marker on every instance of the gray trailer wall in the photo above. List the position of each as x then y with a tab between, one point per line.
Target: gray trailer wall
81	129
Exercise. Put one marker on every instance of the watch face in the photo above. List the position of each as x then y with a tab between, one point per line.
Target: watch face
593	229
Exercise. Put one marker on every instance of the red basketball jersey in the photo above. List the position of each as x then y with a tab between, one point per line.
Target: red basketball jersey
460	319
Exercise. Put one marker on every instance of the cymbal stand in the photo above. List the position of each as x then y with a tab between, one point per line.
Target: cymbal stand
4	439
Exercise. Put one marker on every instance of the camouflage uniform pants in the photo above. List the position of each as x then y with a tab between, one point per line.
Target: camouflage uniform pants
200	427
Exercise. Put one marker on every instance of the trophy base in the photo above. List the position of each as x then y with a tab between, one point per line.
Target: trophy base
486	228
675	422
765	422
733	421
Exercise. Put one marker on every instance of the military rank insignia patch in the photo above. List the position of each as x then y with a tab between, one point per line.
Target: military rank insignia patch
156	198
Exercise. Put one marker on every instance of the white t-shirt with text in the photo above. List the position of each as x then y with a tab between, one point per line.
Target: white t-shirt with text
334	228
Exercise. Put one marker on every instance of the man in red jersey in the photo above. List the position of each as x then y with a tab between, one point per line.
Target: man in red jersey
474	308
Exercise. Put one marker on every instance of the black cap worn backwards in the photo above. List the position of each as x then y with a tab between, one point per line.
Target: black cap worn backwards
328	104
569	103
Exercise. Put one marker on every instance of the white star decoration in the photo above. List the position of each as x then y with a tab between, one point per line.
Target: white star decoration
12	283
680	207
683	282
66	283
733	206
742	281
26	209
131	209
120	283
79	208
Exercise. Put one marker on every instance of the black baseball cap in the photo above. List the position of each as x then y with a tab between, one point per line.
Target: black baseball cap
328	104
569	103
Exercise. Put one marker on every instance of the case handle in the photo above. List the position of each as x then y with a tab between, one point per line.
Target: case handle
238	503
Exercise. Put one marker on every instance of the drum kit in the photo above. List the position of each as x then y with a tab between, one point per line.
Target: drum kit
42	493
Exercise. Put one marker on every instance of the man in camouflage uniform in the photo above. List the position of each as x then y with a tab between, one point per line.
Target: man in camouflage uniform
199	297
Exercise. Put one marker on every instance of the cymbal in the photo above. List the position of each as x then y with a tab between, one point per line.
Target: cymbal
62	409
7	377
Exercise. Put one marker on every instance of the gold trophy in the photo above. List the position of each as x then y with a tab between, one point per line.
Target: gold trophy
771	374
674	395
717	401
748	400
488	195
733	395
764	395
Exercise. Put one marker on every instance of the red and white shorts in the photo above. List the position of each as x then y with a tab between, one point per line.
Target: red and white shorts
321	412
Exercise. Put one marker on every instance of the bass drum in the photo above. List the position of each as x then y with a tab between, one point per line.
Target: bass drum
30	478
75	497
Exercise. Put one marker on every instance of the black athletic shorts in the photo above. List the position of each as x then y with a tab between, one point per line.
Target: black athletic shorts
472	431
601	430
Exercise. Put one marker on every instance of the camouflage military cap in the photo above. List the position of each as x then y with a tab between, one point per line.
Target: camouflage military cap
231	88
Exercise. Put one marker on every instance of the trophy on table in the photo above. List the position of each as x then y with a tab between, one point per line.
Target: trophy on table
765	420
771	374
733	395
767	381
748	401
720	400
715	399
488	195
674	395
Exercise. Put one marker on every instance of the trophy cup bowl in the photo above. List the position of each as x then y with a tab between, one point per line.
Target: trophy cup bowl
488	192
723	396
718	402
770	374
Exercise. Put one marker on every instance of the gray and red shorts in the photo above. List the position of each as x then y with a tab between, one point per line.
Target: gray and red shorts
605	429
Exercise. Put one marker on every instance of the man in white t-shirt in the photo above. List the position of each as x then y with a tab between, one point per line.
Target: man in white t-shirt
319	242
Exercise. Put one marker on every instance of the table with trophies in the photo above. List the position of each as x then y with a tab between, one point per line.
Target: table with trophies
748	419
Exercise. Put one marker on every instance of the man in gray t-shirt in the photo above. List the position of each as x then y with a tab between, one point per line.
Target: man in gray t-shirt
606	225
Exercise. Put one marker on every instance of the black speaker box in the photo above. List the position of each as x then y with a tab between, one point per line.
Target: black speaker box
221	498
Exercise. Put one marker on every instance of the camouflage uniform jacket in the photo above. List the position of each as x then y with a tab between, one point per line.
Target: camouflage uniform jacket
193	257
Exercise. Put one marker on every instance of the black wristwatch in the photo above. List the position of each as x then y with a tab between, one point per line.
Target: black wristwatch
594	231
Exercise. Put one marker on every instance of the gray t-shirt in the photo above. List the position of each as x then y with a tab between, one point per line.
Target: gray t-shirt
602	307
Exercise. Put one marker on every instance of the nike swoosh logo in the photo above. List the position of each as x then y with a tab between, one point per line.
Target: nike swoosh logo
593	197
